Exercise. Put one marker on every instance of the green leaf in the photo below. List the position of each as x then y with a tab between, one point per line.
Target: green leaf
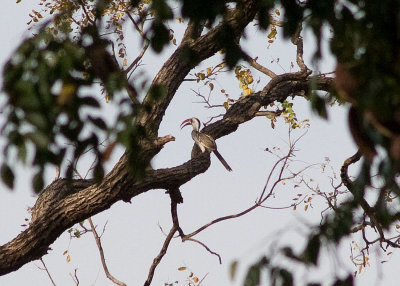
311	253
253	276
318	105
99	122
348	281
7	175
38	181
89	101
160	36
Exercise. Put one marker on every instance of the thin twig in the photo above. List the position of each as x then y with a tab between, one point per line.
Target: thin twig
86	13
163	251
187	236
138	58
257	66
208	249
47	271
75	277
103	260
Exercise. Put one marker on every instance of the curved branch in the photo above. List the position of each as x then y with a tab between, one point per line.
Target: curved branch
79	201
102	257
188	55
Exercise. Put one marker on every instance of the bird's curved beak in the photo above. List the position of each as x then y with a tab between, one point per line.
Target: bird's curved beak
186	123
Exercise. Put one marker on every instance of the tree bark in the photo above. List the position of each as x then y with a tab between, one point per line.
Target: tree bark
65	203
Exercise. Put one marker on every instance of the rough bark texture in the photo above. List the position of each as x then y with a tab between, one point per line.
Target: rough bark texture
63	204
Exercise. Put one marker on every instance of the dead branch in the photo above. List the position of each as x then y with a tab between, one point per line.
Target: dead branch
159	257
47	271
207	248
101	251
257	66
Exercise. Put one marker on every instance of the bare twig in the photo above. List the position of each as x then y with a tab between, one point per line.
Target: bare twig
85	11
187	236
75	277
134	64
208	249
175	199
257	66
163	251
103	260
47	271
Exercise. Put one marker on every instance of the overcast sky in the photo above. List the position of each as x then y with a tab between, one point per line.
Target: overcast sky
133	238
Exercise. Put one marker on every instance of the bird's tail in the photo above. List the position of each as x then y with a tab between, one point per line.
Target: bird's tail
222	160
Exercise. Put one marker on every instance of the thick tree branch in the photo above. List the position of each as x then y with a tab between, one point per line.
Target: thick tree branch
182	61
56	212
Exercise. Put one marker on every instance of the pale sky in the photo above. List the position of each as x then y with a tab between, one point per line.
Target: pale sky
133	238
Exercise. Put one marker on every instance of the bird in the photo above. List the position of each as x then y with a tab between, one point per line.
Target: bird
204	141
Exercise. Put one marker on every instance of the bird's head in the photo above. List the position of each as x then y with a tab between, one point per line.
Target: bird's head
191	121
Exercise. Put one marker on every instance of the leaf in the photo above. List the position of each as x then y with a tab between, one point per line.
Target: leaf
182	268
311	253
272	34
7	175
246	92
99	122
233	268
201	76
195	279
68	258
90	101
226	105
38	182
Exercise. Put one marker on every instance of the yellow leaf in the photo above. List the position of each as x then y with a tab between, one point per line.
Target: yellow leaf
208	70
201	75
182	268
243	85
66	94
237	70
226	105
246	92
305	207
233	269
125	62
68	258
108	98
277	12
249	79
272	34
195	279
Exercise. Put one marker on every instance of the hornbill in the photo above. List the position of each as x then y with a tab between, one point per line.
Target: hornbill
204	141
